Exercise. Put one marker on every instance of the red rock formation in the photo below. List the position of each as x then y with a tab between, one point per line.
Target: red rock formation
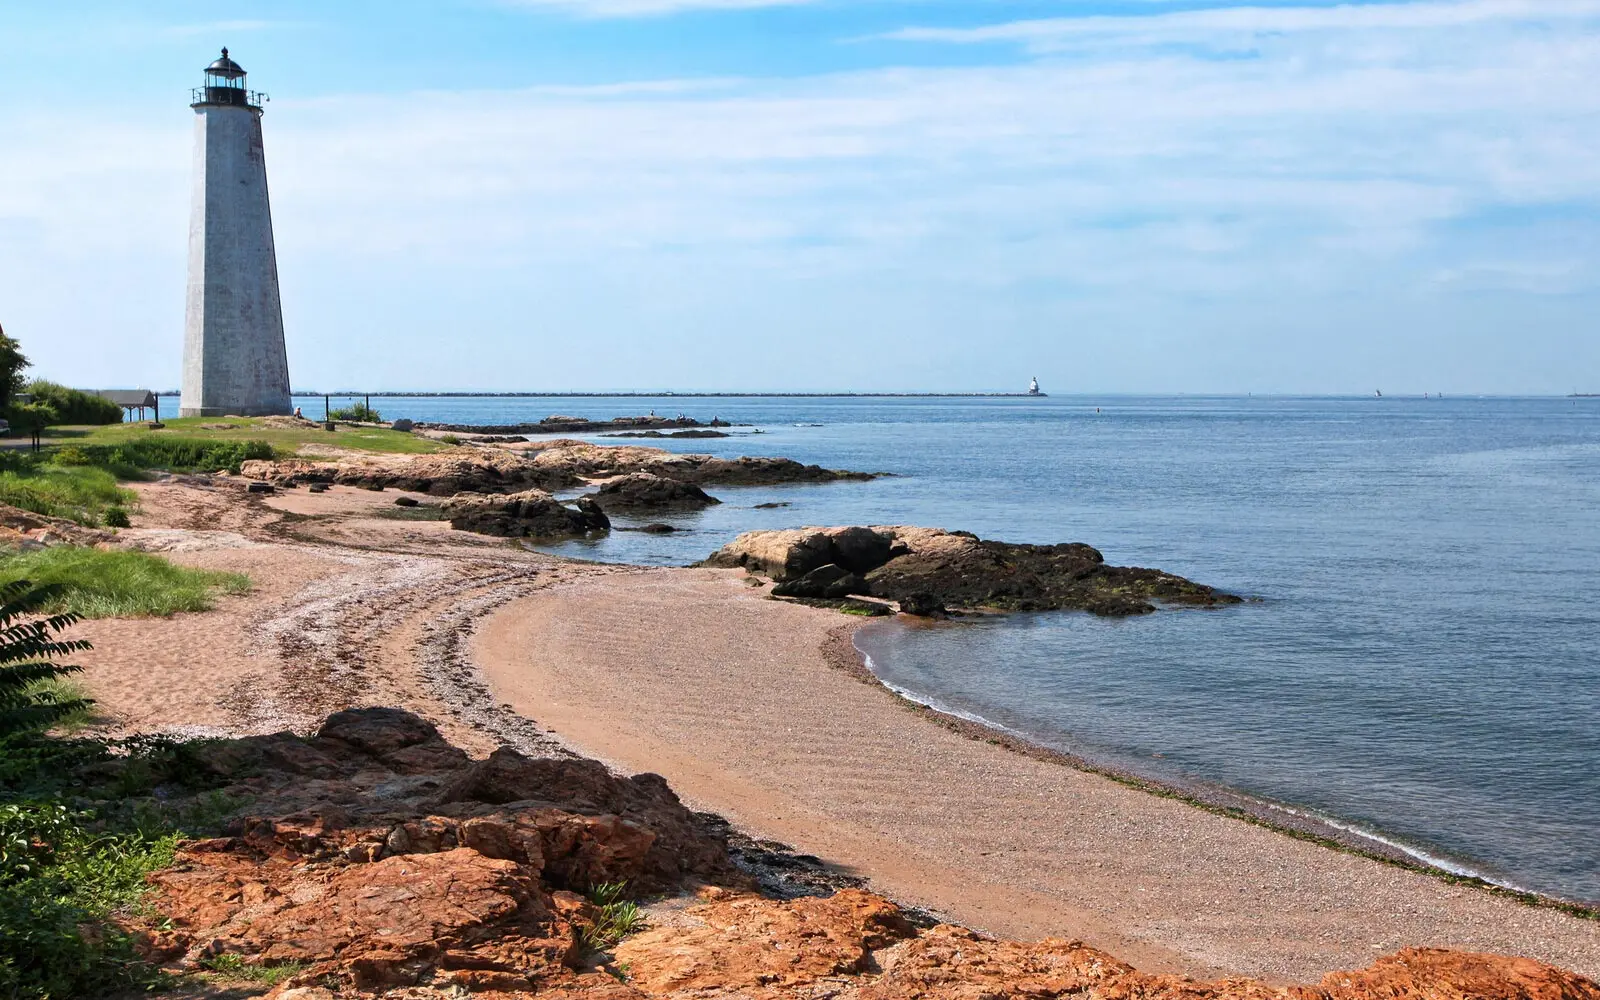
386	862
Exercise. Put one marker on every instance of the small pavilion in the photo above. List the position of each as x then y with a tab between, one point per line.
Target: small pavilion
134	399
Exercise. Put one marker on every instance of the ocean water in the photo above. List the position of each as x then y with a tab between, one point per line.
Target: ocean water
1423	657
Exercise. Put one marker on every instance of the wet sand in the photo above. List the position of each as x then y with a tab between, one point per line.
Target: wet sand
694	675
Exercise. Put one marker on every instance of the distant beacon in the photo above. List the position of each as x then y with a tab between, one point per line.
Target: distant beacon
233	355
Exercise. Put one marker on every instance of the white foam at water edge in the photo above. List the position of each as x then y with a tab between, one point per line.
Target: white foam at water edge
1431	860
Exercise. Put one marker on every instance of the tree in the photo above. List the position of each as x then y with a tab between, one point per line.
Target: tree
34	418
29	651
12	362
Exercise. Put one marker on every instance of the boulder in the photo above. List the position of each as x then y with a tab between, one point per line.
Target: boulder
830	581
791	554
922	604
405	501
646	491
531	514
402	425
930	567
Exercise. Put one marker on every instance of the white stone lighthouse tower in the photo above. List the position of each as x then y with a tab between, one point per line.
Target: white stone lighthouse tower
233	355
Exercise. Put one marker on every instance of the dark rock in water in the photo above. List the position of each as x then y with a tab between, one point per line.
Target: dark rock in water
771	506
533	514
849	605
642	490
562	424
830	581
405	501
658	529
402	425
668	434
922	605
958	569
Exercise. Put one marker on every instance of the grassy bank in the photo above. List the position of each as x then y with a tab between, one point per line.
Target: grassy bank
84	494
108	584
278	433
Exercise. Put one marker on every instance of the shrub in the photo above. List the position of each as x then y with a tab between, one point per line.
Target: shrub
116	517
359	412
96	583
74	406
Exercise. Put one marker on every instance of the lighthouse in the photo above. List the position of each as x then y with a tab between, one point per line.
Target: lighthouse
234	361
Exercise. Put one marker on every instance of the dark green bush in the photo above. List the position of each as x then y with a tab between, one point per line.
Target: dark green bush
358	412
74	406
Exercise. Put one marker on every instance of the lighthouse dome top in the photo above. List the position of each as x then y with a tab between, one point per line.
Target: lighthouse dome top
225	68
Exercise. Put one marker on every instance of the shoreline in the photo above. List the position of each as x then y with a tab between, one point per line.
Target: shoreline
746	706
842	653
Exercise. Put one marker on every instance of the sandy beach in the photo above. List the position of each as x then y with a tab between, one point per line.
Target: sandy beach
693	675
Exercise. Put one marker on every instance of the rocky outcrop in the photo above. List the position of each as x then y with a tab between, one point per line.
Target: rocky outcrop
475	470
555	465
531	514
382	861
669	434
602	462
826	582
928	566
378	855
646	491
559	424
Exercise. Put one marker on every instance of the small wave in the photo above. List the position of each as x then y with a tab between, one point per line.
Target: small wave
1425	857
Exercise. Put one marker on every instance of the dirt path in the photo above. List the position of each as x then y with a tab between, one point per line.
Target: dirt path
690	674
348	608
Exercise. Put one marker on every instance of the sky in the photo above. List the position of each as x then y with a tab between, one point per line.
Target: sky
812	195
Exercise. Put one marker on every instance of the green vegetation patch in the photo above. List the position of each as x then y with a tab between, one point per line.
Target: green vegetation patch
96	583
74	406
78	493
233	966
616	917
282	435
176	454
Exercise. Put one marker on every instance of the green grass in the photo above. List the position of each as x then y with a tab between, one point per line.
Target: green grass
67	691
286	439
77	493
235	967
618	917
109	584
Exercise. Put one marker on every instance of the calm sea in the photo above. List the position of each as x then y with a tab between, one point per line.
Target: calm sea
1424	659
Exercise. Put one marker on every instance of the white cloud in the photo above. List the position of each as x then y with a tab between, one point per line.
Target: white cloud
1047	34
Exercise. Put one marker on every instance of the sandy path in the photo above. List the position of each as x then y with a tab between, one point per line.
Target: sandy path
346	609
690	674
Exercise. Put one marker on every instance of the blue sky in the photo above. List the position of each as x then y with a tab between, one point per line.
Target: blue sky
1117	196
